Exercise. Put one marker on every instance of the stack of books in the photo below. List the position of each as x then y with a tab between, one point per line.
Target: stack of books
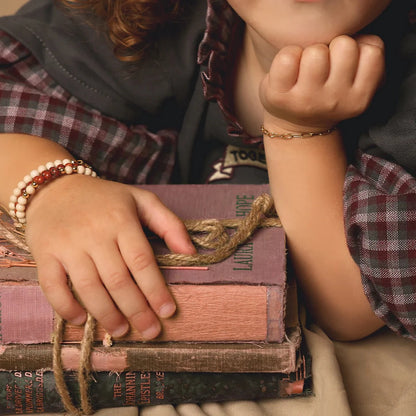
236	334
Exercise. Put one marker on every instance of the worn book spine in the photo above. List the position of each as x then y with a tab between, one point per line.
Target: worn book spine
167	356
28	392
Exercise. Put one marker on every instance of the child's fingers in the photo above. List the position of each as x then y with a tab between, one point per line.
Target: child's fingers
96	299
54	283
123	289
314	66
371	67
373	40
284	70
344	58
139	258
162	221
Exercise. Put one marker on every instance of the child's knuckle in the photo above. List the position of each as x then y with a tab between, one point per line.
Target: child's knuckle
315	52
47	286
86	285
140	261
343	43
117	280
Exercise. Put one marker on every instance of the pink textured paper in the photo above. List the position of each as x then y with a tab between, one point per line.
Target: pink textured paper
17	309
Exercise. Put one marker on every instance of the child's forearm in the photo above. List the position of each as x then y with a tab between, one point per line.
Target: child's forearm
19	155
306	177
311	90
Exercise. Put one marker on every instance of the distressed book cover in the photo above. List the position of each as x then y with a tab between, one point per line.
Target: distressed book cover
241	299
28	392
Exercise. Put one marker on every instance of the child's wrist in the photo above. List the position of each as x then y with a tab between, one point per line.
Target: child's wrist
282	129
38	178
287	127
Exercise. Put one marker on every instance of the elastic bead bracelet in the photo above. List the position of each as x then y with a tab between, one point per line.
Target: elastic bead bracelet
301	135
41	176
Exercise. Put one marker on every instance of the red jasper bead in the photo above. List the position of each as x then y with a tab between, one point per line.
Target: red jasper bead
53	171
38	180
47	175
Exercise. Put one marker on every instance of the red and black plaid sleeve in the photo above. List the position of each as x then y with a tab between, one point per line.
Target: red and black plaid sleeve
380	217
31	102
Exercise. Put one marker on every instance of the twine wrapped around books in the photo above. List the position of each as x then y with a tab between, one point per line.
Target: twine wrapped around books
84	371
209	234
214	235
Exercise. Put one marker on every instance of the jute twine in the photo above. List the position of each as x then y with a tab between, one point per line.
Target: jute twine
212	234
209	234
84	371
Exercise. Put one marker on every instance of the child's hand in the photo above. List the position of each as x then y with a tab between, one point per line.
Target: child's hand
90	229
312	89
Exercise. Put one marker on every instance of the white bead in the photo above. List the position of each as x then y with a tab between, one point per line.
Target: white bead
41	168
17	191
20	208
88	171
94	174
30	189
13	198
11	205
21	185
22	200
81	169
49	165
27	179
20	214
12	214
57	162
65	161
34	173
68	170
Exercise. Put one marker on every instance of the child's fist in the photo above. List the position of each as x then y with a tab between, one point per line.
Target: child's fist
318	86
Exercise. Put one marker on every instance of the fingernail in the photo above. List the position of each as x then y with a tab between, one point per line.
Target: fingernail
152	332
167	310
120	331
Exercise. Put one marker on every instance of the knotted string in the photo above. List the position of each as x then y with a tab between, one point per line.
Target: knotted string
216	237
209	234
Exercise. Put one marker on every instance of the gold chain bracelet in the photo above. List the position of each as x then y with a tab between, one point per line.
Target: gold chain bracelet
301	135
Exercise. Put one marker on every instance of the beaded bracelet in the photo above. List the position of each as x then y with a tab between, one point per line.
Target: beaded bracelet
44	174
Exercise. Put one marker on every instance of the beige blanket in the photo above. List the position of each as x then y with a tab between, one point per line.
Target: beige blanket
373	377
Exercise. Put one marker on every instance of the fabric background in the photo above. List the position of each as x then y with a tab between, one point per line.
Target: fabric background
375	376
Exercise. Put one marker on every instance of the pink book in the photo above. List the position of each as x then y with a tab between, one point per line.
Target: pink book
242	299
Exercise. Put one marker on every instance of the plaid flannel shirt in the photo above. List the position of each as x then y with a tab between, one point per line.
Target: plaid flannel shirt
380	219
32	102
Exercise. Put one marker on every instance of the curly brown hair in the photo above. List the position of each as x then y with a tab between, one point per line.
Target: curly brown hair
132	24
